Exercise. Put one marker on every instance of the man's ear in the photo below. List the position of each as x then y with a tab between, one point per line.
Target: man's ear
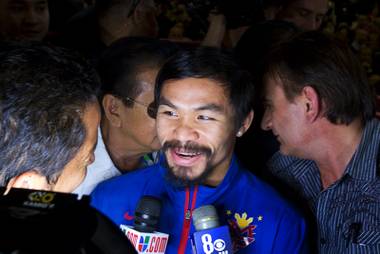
245	125
111	106
311	103
29	180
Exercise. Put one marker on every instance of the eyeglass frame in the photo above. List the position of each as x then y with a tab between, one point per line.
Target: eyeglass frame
151	109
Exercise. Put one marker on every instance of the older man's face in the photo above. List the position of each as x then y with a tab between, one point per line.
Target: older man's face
24	19
75	171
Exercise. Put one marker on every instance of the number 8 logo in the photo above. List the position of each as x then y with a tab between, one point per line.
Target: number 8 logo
208	246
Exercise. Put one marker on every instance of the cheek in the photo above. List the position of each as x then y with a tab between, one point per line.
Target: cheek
218	138
13	24
16	17
82	174
78	172
78	175
163	130
150	125
143	125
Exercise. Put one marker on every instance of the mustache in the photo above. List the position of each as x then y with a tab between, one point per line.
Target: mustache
188	146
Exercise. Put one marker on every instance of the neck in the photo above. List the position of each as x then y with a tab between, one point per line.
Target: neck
121	155
335	149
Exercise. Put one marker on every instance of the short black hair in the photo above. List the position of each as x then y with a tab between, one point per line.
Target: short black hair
253	48
43	95
259	39
214	64
124	59
328	65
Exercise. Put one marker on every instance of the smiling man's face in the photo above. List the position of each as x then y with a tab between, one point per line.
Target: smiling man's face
195	125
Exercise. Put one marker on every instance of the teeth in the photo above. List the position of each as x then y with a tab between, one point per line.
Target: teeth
187	154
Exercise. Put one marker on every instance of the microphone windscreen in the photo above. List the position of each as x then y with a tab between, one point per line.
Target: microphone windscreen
147	214
205	217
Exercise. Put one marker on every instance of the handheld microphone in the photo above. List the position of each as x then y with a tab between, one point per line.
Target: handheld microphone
210	238
143	234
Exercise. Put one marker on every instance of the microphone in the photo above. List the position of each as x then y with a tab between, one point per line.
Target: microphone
36	221
210	238
143	234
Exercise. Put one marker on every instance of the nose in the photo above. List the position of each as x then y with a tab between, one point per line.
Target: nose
314	25
185	131
266	122
311	24
317	23
31	16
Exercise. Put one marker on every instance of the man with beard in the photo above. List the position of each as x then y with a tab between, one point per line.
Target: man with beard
204	103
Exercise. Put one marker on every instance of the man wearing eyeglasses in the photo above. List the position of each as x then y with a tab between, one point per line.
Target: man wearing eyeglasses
127	135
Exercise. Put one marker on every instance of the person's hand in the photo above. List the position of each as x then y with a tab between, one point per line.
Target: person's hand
216	30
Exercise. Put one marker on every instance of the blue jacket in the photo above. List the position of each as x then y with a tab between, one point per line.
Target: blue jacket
250	207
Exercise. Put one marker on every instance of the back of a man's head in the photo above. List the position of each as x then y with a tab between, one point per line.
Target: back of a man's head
258	40
44	92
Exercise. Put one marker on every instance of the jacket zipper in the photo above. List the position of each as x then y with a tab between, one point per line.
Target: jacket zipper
187	219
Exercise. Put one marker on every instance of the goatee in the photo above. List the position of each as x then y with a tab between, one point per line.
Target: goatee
180	180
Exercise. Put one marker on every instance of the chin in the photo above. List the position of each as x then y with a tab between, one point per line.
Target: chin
182	172
284	151
182	176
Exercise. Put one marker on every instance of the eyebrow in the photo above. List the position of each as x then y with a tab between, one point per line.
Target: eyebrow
210	106
308	11
166	102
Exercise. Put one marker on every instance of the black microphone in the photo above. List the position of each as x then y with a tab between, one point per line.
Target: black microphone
143	235
147	214
36	221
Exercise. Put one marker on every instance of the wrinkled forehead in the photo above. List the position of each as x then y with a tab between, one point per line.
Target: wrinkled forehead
315	6
196	89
